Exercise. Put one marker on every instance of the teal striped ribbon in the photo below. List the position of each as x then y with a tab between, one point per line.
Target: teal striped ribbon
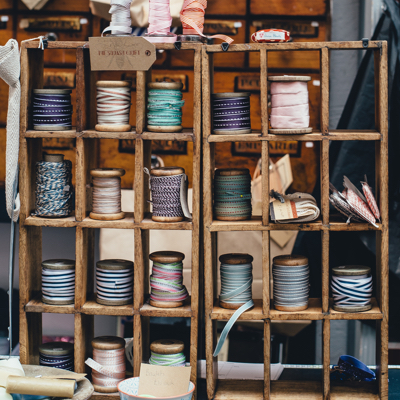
168	360
232	196
164	107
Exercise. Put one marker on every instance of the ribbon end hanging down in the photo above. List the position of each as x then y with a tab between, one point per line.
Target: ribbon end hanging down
184	196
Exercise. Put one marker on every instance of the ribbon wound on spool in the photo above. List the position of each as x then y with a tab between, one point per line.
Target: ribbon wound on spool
160	19
192	18
120	24
168	360
236	281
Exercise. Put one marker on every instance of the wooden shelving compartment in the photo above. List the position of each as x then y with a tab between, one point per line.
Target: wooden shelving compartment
86	158
319	308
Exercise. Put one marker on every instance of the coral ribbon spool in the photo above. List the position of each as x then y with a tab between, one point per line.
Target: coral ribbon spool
192	18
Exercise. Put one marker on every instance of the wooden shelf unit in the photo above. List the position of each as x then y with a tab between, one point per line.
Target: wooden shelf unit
319	308
86	158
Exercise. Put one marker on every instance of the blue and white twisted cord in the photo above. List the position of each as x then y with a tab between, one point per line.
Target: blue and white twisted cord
53	189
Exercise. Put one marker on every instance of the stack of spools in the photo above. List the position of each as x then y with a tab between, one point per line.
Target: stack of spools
231	113
167	353
168	200
114	280
232	194
53	187
108	363
164	107
57	355
106	195
58	282
166	280
52	109
113	106
291	282
289	105
351	288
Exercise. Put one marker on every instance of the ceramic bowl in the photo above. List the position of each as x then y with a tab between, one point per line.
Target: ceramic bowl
128	389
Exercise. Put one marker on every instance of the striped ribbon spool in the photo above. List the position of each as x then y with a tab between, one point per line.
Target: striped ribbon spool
160	22
167	353
53	187
113	106
57	355
108	363
166	280
236	280
192	18
351	288
164	107
232	194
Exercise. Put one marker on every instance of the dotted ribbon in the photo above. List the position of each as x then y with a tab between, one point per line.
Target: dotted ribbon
164	107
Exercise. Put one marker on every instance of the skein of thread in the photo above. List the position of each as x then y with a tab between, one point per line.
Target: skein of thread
289	103
164	107
113	106
167	353
166	280
53	187
106	201
121	23
232	194
108	363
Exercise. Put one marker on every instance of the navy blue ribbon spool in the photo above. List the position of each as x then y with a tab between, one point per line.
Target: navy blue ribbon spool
57	355
231	113
52	109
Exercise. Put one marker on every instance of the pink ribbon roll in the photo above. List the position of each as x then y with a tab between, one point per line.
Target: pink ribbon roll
284	122
301	110
288	87
284	100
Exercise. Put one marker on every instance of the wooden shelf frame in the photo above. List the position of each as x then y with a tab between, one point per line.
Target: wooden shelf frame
86	157
319	308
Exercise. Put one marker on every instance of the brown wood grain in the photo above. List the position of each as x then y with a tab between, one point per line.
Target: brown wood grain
290	7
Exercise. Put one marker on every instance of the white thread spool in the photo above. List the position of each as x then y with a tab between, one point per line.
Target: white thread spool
113	106
289	105
106	199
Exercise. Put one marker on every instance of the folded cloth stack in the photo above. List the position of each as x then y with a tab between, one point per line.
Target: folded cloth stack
289	102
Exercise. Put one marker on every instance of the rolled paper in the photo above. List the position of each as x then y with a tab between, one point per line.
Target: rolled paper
284	99
302	110
40	387
288	87
285	122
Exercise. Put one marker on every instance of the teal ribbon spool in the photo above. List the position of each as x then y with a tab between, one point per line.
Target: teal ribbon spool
232	194
168	360
164	105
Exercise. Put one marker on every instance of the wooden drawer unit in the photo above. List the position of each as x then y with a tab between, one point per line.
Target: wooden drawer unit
222	7
61	5
6	5
236	29
63	28
301	31
289	7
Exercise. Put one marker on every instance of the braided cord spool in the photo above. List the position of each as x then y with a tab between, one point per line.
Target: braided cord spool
53	187
232	194
236	284
166	280
164	107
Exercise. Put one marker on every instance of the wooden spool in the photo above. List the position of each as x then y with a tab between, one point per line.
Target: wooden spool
58	265
351	270
113	127
167	346
114	265
290	78
234	259
166	257
165	86
107	173
107	343
231	172
56	348
290	260
167	171
53	157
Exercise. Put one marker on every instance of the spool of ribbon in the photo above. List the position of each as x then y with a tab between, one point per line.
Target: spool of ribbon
192	18
57	355
120	24
351	288
232	194
231	113
108	363
169	187
53	187
289	104
166	280
236	280
167	353
160	22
